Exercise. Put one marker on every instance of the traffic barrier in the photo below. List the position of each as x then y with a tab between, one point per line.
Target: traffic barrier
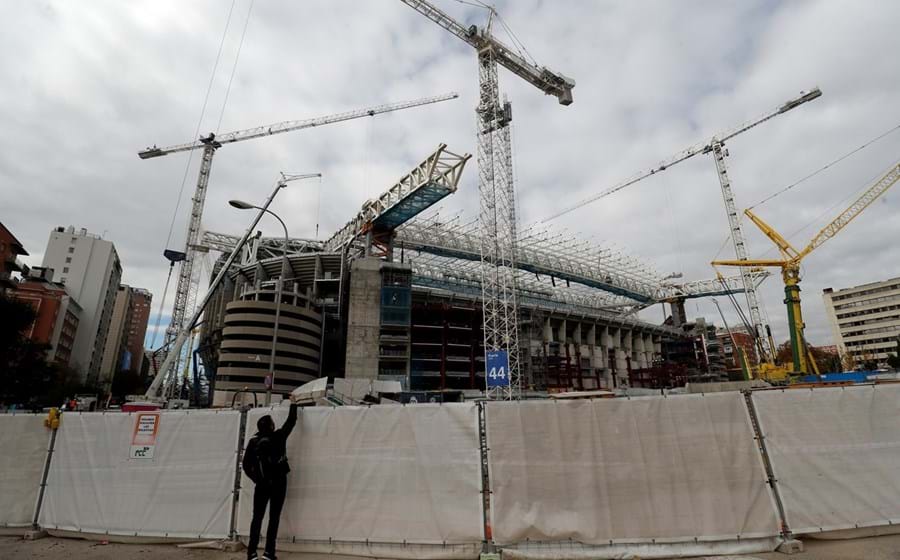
835	454
658	476
387	481
143	474
23	453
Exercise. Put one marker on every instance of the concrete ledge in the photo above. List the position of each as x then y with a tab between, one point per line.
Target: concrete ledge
233	546
792	546
34	534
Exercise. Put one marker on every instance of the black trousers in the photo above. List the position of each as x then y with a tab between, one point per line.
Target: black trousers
271	494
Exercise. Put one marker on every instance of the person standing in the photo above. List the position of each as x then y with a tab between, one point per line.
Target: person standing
265	463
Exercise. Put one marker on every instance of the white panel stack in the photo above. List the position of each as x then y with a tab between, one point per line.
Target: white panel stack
642	470
835	453
400	475
183	488
23	451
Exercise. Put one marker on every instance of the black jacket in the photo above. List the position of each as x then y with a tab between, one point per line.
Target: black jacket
265	459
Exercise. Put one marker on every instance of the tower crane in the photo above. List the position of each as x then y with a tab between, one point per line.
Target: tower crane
791	260
497	215
716	146
209	144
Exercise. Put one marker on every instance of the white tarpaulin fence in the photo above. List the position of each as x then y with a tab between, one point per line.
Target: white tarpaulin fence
387	474
23	452
835	454
642	470
677	475
182	488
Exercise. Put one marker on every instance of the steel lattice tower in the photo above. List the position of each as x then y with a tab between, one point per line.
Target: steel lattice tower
497	224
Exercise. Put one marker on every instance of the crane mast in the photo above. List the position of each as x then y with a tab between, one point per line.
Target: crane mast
496	186
209	145
740	251
716	147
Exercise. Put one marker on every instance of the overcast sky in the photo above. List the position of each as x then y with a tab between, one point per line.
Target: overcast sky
85	85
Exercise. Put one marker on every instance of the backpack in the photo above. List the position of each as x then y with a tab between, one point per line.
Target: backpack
260	461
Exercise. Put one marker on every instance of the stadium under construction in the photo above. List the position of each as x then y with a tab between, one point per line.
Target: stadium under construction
396	295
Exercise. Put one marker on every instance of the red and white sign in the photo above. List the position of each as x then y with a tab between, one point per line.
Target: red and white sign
143	440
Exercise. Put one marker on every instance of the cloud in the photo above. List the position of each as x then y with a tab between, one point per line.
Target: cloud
86	87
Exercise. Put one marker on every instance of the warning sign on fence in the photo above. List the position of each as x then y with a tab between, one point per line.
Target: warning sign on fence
143	441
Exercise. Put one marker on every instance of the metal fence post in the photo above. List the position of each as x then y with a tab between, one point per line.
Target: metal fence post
488	545
40	500
770	474
238	455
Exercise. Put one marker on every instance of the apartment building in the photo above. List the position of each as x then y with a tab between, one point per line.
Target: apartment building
865	319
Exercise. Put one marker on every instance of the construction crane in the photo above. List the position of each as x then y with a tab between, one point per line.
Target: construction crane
497	215
209	145
791	260
716	146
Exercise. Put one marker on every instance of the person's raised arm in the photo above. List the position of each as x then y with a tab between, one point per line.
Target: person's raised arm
291	421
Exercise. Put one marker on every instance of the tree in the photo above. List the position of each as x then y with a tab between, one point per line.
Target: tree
127	383
26	378
825	361
893	360
23	366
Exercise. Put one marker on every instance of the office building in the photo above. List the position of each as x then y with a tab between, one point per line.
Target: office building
865	320
90	269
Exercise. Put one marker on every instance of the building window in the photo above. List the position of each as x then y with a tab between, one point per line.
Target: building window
71	249
68	260
65	269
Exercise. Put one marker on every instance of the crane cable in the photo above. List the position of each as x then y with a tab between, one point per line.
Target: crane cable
237	56
823	168
161	305
200	122
840	203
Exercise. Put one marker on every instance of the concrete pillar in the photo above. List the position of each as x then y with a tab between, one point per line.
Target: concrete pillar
648	348
363	319
623	350
548	331
640	361
603	356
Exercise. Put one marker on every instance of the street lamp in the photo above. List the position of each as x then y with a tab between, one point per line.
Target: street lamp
242	205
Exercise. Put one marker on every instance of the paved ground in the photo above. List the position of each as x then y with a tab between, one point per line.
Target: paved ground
874	548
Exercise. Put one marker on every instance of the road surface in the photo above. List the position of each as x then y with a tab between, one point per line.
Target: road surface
874	548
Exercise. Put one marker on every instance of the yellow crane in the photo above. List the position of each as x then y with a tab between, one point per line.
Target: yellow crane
791	258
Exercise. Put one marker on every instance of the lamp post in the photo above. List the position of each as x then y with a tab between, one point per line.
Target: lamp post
241	205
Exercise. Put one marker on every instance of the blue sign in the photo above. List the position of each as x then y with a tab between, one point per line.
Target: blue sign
497	368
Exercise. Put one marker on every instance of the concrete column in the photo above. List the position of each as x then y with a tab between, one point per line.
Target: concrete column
602	351
623	350
648	349
364	319
639	354
548	331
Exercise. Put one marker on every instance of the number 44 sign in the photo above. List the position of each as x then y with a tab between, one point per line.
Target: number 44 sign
497	368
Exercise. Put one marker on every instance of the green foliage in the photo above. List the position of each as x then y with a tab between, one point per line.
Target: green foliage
894	361
127	383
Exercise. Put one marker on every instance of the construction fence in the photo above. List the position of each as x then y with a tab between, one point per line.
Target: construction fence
718	473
